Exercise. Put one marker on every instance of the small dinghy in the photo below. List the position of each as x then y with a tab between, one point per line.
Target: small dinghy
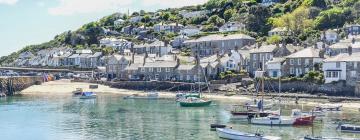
214	126
77	92
227	133
88	95
348	128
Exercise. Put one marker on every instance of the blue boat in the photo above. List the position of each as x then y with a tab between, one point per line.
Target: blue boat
88	95
348	128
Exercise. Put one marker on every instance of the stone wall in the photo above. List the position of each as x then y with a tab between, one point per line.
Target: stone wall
151	85
11	85
332	89
357	89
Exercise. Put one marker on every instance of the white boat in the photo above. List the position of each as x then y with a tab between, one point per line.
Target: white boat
149	95
327	138
88	95
227	133
274	120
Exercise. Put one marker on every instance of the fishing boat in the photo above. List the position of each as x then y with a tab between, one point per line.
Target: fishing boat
180	96
149	95
77	92
88	95
328	108
348	128
243	112
296	118
194	102
273	120
227	133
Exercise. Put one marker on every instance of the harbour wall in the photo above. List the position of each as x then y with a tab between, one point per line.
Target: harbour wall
331	89
12	85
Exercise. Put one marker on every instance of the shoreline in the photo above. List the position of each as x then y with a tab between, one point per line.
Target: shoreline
65	88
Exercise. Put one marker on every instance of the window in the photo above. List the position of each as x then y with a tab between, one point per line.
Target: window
355	65
167	69
195	78
142	69
307	61
187	77
151	69
267	56
158	69
335	74
181	77
291	61
299	61
292	71
254	56
328	74
337	64
306	70
353	73
254	65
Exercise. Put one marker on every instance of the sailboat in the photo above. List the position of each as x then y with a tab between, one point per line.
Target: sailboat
199	101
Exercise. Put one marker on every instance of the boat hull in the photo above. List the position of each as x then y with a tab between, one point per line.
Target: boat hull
246	115
195	104
236	135
87	97
269	121
308	120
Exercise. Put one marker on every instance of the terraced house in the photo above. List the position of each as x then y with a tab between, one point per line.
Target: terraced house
213	44
260	55
301	62
344	67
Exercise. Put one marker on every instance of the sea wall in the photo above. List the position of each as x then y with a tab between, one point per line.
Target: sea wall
150	85
11	85
331	89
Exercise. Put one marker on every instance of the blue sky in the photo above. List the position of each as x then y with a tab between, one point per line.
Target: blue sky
26	22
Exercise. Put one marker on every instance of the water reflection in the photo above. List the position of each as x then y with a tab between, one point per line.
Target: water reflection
111	117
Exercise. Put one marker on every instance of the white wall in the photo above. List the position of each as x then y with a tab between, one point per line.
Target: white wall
332	66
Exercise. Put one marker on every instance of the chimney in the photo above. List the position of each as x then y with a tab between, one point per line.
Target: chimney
132	58
353	41
350	50
322	53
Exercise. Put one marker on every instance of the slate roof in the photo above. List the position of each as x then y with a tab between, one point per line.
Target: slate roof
305	53
263	49
344	58
219	37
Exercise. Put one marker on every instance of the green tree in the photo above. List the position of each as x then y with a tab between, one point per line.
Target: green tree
274	39
216	20
315	3
331	18
229	13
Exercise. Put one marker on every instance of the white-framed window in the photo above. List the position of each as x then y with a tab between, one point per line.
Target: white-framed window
291	61
300	71
180	77
299	61
168	69
335	74
187	77
307	61
337	64
254	56
158	69
292	70
151	69
355	65
195	78
353	73
142	69
254	65
328	74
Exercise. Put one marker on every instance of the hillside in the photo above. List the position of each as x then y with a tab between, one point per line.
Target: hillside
305	18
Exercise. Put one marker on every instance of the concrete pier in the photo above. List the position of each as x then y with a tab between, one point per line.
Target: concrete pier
12	85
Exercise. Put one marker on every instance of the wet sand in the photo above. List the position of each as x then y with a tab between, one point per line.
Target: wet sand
65	87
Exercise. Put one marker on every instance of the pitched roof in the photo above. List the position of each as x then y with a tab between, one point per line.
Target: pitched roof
161	64
186	67
344	58
263	49
219	37
306	53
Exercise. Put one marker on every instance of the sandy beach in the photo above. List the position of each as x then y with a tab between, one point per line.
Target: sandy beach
65	87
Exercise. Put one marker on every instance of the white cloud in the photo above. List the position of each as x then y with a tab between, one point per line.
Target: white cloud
8	2
70	7
172	3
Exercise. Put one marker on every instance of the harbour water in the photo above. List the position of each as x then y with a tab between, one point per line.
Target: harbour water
54	117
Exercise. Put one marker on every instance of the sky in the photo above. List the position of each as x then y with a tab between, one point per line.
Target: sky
27	22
